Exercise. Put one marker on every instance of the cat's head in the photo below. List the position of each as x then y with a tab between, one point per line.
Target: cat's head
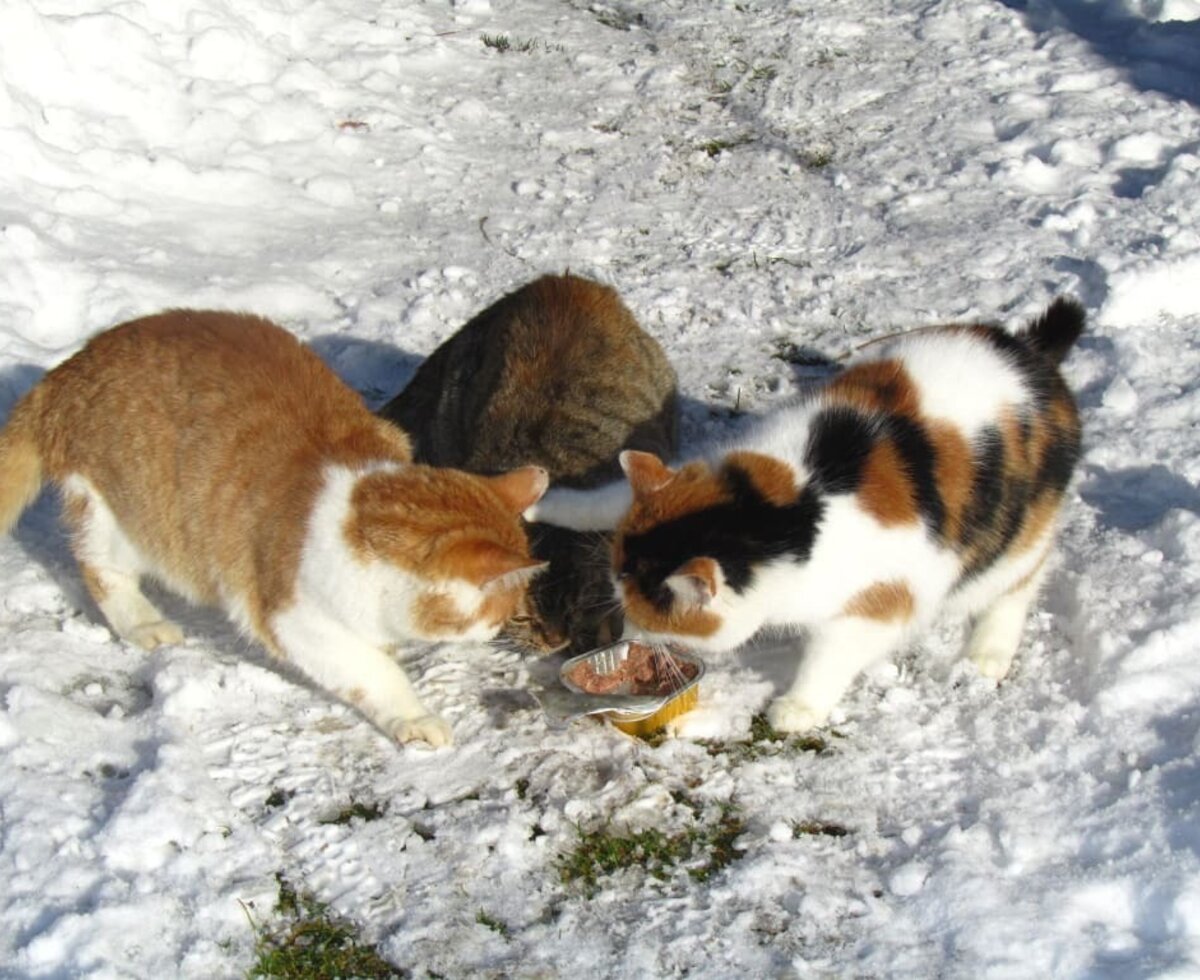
695	548
572	603
452	545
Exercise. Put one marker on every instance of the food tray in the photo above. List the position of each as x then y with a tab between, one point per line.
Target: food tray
656	710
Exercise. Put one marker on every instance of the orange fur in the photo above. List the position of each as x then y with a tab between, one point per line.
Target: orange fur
693	488
208	436
773	478
886	492
953	472
20	461
647	473
875	386
887	602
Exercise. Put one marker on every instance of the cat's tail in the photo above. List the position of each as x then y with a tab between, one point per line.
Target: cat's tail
21	476
1054	333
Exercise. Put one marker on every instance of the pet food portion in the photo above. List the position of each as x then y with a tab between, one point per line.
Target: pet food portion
644	670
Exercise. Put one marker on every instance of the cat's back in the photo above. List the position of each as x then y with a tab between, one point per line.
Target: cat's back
190	376
206	433
968	429
170	356
966	376
557	373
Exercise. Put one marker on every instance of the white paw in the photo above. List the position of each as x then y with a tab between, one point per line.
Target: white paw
426	728
160	633
992	663
532	513
793	715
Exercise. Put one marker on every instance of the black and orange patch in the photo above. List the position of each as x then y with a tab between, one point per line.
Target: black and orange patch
875	386
772	477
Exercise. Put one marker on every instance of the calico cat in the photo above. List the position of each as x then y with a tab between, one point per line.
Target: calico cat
557	373
216	453
928	474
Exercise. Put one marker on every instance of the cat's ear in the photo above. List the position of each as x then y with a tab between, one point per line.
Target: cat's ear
520	488
646	472
492	567
695	583
518	576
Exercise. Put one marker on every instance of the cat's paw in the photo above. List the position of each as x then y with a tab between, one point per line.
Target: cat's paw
792	715
426	728
992	663
160	633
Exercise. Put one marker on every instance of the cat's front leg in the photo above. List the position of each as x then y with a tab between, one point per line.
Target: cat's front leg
358	672
836	653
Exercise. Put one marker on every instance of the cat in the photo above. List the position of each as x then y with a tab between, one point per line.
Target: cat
216	453
556	373
929	473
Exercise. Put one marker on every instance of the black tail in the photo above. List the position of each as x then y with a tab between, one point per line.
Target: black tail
1054	333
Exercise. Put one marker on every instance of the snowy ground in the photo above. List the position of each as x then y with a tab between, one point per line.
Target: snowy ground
756	178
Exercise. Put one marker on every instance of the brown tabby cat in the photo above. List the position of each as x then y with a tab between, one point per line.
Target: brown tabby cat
557	373
218	454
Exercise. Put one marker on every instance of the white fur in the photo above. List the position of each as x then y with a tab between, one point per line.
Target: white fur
959	378
346	613
118	566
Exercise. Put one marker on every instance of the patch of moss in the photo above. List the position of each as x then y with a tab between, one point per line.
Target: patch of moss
765	740
818	828
278	798
703	849
714	148
310	943
492	923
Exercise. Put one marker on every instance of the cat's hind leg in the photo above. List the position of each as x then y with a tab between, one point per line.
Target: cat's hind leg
361	674
836	653
996	633
111	567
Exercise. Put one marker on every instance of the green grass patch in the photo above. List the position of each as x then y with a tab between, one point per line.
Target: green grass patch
502	43
714	148
816	158
278	798
702	850
308	942
491	922
619	20
765	740
818	828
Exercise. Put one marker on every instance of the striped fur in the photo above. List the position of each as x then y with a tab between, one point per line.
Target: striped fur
219	455
556	373
928	473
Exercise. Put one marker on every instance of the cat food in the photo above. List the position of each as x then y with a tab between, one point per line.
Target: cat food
665	682
643	670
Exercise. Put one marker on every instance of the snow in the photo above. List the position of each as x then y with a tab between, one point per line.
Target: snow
750	176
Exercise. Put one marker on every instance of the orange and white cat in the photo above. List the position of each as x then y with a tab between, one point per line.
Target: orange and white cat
927	475
216	453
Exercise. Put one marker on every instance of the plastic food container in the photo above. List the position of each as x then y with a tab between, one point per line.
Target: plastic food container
663	681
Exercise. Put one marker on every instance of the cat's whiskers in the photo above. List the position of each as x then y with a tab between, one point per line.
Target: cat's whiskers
665	663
